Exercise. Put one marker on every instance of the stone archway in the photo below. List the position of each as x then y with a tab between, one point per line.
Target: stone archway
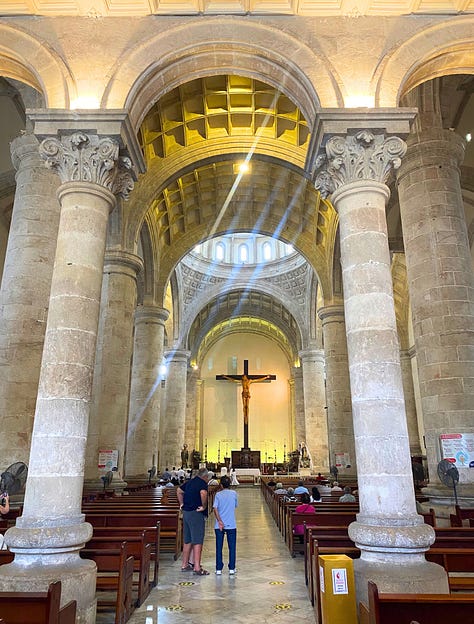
222	47
48	75
437	50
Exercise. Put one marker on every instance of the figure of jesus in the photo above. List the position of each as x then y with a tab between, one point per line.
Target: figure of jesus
245	381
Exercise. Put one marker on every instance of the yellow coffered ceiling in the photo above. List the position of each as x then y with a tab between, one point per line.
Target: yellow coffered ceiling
217	108
110	8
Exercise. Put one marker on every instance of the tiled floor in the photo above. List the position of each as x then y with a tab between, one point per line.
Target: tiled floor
268	587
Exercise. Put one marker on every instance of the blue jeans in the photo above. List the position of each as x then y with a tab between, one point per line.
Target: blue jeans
231	543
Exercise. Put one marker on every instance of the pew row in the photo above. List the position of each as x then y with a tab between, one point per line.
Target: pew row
114	575
171	526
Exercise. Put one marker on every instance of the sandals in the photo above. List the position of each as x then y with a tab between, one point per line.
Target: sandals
201	572
188	568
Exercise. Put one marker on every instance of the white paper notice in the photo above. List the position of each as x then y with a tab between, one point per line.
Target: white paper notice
339	581
321	578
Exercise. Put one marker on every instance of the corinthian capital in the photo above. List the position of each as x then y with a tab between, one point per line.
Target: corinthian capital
362	156
87	158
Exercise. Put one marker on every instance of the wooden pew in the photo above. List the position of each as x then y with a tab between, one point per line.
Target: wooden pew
461	514
320	508
37	607
455	560
140	550
6	556
336	519
152	537
422	608
326	546
114	574
171	526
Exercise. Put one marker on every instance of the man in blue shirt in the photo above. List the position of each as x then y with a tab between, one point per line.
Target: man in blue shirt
192	497
301	489
225	503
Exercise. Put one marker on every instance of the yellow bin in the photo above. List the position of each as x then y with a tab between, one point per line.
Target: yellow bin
337	589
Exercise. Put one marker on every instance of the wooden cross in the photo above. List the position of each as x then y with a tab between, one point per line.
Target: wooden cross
245	380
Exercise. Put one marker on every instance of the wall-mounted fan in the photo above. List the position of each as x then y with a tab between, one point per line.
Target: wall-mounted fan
13	480
151	473
107	479
448	475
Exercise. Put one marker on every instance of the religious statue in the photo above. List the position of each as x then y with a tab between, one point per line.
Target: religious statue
246	381
184	456
304	457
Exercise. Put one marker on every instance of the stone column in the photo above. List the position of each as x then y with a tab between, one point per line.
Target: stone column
299	431
193	387
441	287
410	403
198	444
24	295
111	385
174	419
391	535
338	389
48	536
316	430
145	394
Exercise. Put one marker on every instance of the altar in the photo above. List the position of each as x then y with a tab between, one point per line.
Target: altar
248	475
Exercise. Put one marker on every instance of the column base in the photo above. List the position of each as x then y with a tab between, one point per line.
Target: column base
398	573
118	485
77	576
444	496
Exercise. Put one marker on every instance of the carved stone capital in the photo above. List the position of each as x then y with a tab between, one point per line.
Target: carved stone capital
82	157
357	157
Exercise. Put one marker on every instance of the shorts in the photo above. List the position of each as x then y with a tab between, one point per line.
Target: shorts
194	526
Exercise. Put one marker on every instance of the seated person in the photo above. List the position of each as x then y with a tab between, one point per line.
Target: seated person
290	496
271	483
306	508
4	504
315	495
301	489
4	509
280	489
320	478
336	487
347	497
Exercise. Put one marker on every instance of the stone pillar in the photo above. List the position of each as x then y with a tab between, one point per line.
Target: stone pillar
145	394
338	390
441	287
24	295
410	403
111	385
391	535
299	431
192	403
197	443
316	437
48	536
174	419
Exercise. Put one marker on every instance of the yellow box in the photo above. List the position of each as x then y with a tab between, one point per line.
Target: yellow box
337	589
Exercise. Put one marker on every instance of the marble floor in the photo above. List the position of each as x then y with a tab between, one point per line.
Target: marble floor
268	586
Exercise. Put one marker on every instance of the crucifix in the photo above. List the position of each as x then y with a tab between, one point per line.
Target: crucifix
245	380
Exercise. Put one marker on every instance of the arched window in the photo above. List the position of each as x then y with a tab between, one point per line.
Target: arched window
267	251
243	253
220	251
